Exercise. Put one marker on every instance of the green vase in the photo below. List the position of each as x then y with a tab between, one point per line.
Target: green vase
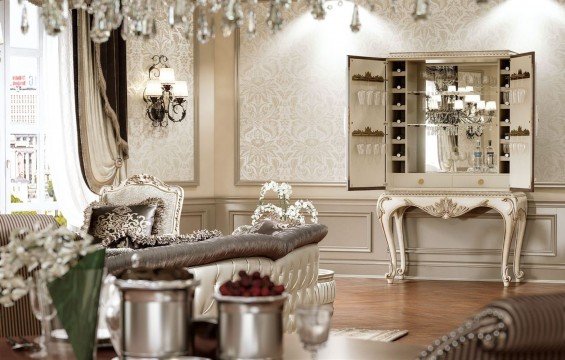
76	296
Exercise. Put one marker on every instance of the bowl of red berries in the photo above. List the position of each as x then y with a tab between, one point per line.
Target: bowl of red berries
250	317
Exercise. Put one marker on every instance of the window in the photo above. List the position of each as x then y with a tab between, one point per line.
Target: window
25	178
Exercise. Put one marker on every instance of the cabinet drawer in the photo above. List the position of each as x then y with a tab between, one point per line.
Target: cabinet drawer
480	181
419	180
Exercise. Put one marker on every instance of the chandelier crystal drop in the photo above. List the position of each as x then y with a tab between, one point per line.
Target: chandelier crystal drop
421	9
25	23
355	22
137	17
251	24
203	34
318	9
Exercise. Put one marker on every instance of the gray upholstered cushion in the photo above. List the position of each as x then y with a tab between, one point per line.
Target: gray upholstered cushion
223	248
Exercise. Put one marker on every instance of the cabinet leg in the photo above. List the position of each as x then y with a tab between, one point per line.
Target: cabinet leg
509	225
386	222
399	227
520	229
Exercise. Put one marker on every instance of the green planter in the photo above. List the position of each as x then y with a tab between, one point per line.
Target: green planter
76	296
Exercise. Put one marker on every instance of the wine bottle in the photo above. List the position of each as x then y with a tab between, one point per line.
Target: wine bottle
490	155
477	157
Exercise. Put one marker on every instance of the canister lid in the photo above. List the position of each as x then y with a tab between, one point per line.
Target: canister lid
157	274
157	279
251	299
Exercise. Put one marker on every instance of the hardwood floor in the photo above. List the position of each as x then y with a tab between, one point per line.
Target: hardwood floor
427	309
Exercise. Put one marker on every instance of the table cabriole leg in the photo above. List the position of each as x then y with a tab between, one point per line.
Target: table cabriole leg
399	227
386	222
509	225
520	230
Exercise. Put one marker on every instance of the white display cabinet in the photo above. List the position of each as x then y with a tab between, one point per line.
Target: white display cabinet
398	138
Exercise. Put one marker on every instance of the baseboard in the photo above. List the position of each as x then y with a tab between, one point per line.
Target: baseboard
424	278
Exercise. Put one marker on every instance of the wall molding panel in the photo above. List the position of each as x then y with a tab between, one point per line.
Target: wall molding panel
349	222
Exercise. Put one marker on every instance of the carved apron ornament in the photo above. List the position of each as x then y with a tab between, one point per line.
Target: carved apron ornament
446	208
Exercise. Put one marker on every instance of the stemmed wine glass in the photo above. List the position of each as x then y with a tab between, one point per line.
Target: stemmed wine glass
361	97
44	310
313	326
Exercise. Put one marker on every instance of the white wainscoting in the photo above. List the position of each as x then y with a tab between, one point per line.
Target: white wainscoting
467	248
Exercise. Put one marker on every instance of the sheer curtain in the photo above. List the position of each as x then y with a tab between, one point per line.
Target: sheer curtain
73	195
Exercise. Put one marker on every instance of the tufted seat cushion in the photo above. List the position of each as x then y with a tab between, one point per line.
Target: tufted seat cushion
222	248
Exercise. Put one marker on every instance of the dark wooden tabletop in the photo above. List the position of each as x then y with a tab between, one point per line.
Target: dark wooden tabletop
336	348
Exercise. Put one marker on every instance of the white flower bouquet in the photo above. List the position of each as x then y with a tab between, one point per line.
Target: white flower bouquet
52	252
285	212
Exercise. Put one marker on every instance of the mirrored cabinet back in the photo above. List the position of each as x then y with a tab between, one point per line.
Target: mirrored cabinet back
455	120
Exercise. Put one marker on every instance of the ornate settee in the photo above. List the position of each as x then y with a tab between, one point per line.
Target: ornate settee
290	256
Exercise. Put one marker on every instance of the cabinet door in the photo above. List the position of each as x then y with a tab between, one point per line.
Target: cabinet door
366	123
522	121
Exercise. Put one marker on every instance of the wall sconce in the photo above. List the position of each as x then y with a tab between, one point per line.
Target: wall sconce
165	97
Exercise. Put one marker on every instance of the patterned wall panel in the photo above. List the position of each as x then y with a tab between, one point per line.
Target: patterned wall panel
167	152
292	85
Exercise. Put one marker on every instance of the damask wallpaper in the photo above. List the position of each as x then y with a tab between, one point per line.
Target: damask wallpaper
165	152
292	85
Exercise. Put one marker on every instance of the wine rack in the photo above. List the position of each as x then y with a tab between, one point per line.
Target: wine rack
504	118
397	87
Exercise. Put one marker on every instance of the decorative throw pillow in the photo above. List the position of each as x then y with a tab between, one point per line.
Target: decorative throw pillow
158	220
265	227
111	222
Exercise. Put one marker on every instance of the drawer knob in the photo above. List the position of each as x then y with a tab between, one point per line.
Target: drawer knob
481	182
421	181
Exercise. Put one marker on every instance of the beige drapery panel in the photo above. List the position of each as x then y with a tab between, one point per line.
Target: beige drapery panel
104	152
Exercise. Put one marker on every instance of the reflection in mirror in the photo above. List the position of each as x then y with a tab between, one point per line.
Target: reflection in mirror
456	122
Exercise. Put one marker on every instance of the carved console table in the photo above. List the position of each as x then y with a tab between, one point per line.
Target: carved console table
513	208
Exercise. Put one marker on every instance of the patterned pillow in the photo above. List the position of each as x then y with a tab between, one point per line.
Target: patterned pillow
158	219
111	222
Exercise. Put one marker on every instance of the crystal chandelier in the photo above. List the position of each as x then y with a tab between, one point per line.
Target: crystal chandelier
458	108
452	105
453	108
137	17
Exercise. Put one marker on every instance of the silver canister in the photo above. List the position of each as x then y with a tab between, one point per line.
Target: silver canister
250	327
155	318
